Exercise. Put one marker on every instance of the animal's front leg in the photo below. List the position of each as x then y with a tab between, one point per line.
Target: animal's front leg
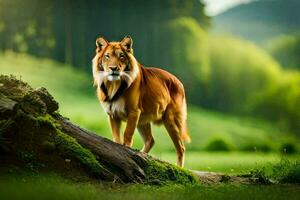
115	128
132	121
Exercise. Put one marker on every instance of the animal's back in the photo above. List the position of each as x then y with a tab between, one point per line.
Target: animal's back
159	81
160	90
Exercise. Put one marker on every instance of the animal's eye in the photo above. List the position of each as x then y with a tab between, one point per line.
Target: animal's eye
122	56
106	56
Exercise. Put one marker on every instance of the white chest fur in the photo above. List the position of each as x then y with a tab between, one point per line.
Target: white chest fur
116	108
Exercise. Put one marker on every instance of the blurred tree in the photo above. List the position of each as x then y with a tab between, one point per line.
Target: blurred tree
25	26
239	71
281	103
286	49
66	30
185	54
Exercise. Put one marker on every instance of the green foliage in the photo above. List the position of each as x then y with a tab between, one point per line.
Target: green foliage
26	27
186	54
281	102
56	29
219	144
288	147
239	71
286	49
263	147
287	172
231	75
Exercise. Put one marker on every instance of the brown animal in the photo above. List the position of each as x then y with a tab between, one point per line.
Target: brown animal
130	92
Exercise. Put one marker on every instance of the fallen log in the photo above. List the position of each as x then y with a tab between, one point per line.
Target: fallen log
34	136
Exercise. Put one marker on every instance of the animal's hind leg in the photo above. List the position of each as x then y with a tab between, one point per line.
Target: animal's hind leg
145	132
174	131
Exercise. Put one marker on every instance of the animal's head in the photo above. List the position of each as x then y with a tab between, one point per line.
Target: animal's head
114	61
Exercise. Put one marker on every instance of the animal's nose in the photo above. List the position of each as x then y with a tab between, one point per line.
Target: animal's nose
113	68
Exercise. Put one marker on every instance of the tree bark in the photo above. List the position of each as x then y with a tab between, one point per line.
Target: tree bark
128	163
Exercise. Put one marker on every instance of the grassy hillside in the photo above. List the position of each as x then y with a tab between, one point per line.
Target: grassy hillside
73	90
260	20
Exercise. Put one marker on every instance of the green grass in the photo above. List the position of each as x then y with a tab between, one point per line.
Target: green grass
53	187
285	171
75	94
228	162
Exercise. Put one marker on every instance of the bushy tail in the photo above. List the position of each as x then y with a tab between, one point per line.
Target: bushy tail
185	134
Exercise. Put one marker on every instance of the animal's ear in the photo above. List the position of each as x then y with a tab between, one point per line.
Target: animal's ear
127	44
101	43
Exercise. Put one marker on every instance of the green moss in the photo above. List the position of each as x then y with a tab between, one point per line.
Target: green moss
32	103
13	88
158	173
69	147
47	120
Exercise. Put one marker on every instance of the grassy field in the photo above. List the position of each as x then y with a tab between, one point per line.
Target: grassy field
73	90
228	162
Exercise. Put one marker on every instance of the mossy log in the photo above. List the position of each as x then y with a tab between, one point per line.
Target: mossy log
34	136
